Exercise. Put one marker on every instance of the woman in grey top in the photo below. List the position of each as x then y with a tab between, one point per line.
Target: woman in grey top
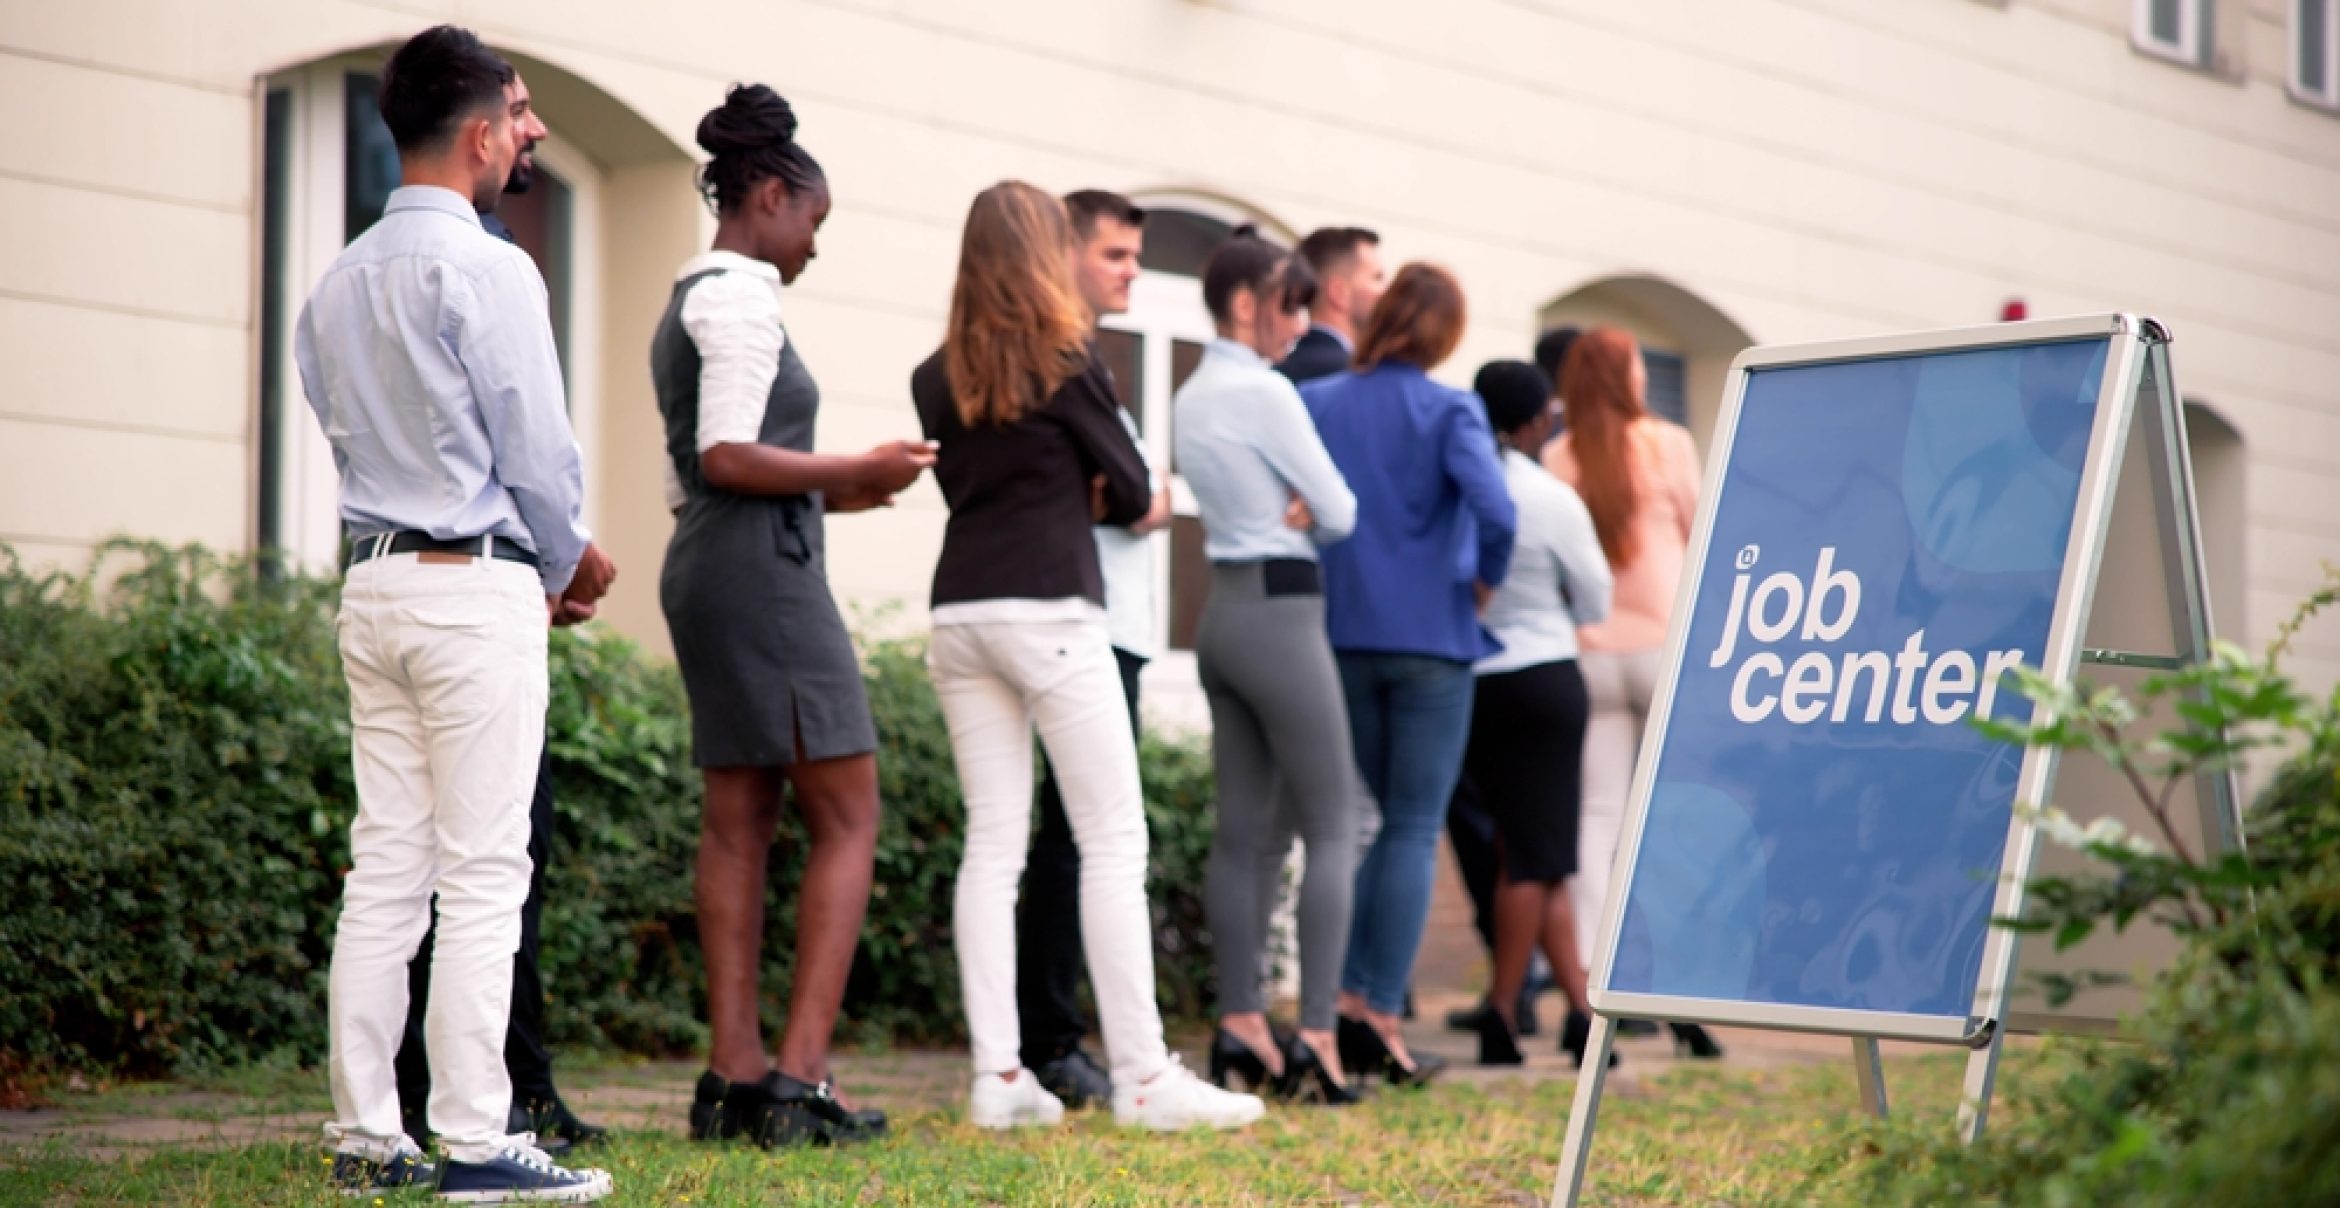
775	689
1269	493
1529	708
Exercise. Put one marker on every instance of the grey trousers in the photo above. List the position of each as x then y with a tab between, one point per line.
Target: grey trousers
1277	717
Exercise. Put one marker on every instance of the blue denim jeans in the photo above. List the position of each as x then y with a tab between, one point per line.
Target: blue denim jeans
1410	719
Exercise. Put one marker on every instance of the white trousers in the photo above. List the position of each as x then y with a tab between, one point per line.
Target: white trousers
446	669
996	680
1621	686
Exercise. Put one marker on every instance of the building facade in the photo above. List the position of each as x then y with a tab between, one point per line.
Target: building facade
1710	173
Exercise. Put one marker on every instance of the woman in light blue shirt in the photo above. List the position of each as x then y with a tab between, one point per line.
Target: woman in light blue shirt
1523	766
1269	495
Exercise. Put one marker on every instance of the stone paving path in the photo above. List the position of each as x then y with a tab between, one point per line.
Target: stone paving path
653	1096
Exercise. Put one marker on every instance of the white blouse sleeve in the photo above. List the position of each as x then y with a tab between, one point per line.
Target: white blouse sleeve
734	320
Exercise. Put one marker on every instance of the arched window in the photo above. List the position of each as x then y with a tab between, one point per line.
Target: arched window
1686	343
327	169
329	166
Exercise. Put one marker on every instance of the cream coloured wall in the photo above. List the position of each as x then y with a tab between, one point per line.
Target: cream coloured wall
1808	168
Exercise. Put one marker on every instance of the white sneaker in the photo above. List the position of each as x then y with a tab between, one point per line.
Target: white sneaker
996	1102
1175	1100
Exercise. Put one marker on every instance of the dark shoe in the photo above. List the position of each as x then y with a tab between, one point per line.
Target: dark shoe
519	1175
1576	1033
1364	1054
1498	1045
1690	1040
1472	1018
1076	1079
1305	1078
355	1174
1466	1019
557	1129
1636	1029
709	1122
1232	1058
779	1111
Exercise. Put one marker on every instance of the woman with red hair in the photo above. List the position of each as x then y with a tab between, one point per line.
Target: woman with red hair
1638	476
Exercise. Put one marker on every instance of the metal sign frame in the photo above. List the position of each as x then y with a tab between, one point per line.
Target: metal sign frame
2137	363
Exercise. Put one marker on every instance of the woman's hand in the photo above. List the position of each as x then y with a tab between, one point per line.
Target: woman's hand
857	501
891	468
1297	517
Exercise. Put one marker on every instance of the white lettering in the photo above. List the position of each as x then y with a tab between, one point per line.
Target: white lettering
1782	583
1952	676
1825	579
1879	665
1906	666
1730	634
1995	664
1744	709
1807	678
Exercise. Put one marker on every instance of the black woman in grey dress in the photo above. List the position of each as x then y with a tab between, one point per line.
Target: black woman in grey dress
776	692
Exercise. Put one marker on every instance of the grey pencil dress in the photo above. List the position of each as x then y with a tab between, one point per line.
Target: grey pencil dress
764	653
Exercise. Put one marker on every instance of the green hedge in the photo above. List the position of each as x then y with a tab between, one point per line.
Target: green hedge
175	801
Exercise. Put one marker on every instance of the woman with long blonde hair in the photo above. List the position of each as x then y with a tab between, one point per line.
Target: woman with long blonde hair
1638	476
1030	453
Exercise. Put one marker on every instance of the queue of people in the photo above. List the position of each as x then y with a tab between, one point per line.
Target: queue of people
1417	602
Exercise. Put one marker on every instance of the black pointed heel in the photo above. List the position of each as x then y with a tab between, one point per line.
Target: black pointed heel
1230	1056
1364	1053
1498	1044
1691	1041
1576	1033
1307	1080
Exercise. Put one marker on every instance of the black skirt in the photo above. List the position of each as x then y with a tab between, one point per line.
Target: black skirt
1524	766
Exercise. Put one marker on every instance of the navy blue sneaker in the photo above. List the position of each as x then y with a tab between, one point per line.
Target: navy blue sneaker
357	1174
519	1175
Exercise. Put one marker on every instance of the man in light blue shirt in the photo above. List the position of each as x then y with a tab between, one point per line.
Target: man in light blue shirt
427	353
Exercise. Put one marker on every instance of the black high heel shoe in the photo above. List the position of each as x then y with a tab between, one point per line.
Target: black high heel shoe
1691	1041
1498	1044
1364	1053
1576	1033
1306	1078
1230	1055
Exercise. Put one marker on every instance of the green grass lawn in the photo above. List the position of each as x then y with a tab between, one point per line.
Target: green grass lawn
1689	1135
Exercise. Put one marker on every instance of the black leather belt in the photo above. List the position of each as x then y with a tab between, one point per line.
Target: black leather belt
366	548
1283	577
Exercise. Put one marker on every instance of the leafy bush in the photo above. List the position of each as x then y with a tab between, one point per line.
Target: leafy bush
2227	1088
175	801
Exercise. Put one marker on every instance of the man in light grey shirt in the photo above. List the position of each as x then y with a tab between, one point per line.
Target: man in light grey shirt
427	354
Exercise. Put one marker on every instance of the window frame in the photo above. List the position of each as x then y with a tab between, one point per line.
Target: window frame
305	495
2328	97
2195	44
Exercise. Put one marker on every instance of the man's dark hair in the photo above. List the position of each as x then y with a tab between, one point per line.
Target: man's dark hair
751	136
1514	393
1552	350
1247	262
1330	248
1086	206
440	79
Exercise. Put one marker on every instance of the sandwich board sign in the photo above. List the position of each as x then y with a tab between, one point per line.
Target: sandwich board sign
1818	838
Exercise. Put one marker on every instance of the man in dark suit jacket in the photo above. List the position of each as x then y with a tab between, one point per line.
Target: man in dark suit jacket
1349	280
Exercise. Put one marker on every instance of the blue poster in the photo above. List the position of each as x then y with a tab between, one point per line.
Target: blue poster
1826	827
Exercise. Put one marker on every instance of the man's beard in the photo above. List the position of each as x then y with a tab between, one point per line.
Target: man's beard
523	172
